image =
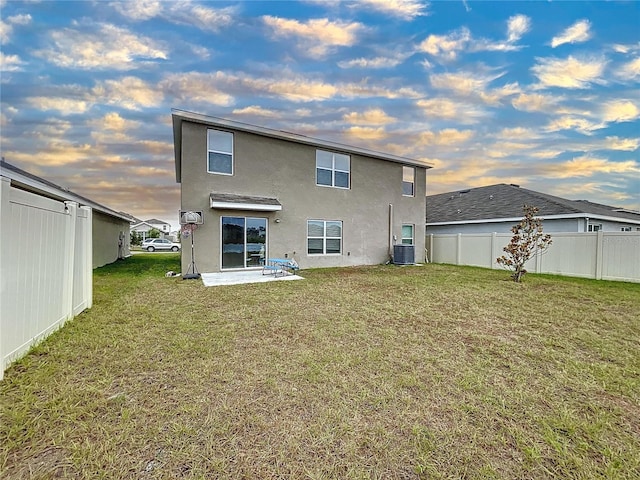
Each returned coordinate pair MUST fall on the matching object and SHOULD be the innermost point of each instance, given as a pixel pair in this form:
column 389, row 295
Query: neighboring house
column 496, row 208
column 110, row 229
column 272, row 193
column 146, row 226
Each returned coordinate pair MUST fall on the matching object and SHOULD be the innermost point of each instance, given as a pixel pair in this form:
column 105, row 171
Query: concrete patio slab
column 241, row 277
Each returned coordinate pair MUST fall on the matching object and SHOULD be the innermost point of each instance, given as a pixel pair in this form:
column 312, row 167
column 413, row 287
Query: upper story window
column 219, row 152
column 408, row 181
column 333, row 169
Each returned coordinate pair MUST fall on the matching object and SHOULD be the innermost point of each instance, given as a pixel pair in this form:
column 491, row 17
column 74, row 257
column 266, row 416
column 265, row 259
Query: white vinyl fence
column 45, row 268
column 599, row 255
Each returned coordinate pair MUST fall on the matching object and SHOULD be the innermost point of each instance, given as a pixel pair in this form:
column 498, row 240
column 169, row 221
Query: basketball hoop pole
column 194, row 275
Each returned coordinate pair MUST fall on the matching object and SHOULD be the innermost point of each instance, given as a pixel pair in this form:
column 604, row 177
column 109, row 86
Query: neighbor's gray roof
column 33, row 183
column 504, row 202
column 157, row 222
column 179, row 116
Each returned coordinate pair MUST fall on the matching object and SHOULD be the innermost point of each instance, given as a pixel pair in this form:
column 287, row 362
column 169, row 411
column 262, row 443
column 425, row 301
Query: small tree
column 528, row 240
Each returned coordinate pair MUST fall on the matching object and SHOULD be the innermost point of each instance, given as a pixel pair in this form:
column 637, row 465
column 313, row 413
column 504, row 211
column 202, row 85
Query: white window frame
column 406, row 172
column 324, row 237
column 413, row 233
column 212, row 150
column 333, row 170
column 625, row 229
column 594, row 227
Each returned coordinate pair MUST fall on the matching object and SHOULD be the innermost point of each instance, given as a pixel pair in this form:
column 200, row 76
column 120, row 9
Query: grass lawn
column 357, row 373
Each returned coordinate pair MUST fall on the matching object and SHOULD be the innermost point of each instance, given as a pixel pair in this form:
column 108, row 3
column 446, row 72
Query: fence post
column 69, row 255
column 459, row 249
column 492, row 260
column 88, row 258
column 599, row 254
column 5, row 231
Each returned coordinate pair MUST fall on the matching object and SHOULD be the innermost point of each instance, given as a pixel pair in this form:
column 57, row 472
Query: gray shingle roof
column 506, row 201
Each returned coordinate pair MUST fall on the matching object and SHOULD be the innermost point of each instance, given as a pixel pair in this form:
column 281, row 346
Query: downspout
column 391, row 231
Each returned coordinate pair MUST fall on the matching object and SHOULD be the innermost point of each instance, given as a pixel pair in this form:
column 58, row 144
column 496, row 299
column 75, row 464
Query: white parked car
column 153, row 244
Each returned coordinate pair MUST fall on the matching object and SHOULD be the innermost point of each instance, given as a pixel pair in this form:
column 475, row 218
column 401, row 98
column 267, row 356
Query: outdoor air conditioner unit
column 404, row 254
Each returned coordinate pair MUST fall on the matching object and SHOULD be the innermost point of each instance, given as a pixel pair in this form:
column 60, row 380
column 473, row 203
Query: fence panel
column 621, row 256
column 43, row 266
column 601, row 255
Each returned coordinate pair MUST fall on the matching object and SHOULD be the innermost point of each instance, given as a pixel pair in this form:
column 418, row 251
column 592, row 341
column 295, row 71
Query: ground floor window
column 324, row 237
column 244, row 242
column 407, row 234
column 594, row 227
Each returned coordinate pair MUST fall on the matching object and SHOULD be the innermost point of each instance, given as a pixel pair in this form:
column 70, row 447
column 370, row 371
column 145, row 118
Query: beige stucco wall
column 284, row 170
column 106, row 233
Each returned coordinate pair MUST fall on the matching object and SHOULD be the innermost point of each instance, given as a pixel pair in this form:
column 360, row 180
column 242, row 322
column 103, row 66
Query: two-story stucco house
column 266, row 192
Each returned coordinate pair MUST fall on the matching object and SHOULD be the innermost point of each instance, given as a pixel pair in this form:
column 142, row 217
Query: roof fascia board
column 56, row 193
column 548, row 217
column 282, row 135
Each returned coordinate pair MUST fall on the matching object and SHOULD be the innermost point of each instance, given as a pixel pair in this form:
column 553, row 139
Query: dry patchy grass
column 357, row 373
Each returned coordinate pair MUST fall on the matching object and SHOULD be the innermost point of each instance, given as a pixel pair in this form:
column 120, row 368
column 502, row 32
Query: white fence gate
column 45, row 268
column 599, row 255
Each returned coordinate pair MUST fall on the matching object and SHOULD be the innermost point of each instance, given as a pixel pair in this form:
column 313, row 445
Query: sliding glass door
column 244, row 242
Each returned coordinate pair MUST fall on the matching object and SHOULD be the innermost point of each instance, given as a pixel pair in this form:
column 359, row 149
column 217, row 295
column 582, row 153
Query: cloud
column 451, row 110
column 138, row 9
column 374, row 62
column 534, row 102
column 517, row 26
column 471, row 84
column 105, row 47
column 404, row 9
column 569, row 73
column 10, row 63
column 129, row 92
column 588, row 166
column 66, row 106
column 567, row 122
column 629, row 71
column 578, row 32
column 113, row 122
column 446, row 46
column 373, row 116
column 624, row 144
column 366, row 133
column 196, row 87
column 318, row 37
column 256, row 111
column 24, row 19
column 620, row 111
column 447, row 136
column 200, row 16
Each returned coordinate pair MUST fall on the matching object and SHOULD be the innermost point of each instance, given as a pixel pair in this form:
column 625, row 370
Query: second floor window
column 408, row 181
column 219, row 152
column 333, row 169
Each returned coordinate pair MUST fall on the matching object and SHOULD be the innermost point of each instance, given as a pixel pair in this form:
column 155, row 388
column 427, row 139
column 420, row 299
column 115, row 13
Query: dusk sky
column 542, row 94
